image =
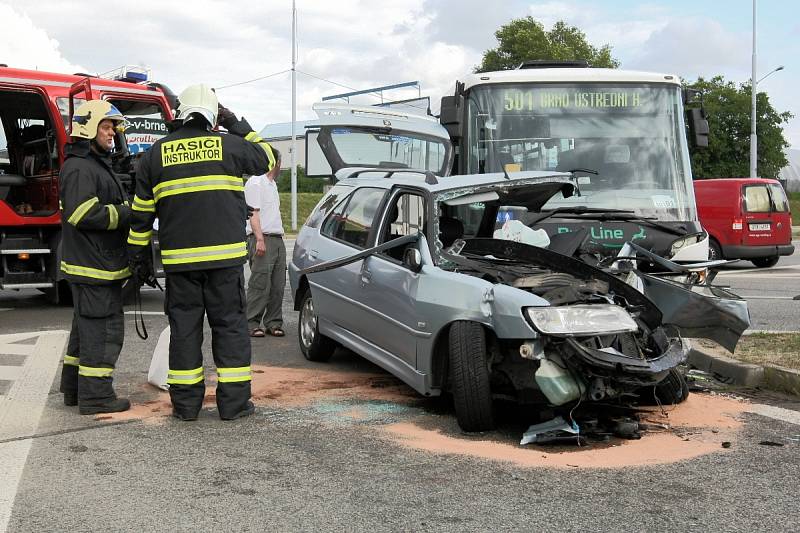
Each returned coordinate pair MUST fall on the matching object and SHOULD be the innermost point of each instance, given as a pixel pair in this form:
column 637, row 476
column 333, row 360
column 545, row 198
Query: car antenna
column 430, row 178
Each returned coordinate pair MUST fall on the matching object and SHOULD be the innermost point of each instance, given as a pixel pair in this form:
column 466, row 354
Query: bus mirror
column 698, row 127
column 450, row 115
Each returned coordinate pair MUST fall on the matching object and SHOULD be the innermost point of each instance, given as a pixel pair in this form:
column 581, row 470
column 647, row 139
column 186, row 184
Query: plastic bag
column 514, row 230
column 159, row 365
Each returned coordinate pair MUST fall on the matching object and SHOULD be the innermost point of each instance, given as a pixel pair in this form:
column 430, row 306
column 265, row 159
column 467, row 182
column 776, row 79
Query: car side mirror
column 412, row 259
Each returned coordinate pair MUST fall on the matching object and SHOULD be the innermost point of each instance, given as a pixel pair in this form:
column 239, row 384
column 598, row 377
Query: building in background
column 280, row 136
column 790, row 174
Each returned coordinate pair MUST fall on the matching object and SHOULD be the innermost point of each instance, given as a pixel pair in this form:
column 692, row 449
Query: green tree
column 525, row 38
column 304, row 183
column 728, row 110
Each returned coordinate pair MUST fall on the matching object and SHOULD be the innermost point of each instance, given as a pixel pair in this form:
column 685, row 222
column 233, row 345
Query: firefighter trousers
column 95, row 341
column 219, row 294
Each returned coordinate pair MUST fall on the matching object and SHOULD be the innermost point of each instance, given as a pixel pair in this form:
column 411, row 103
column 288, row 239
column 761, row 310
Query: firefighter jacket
column 192, row 181
column 94, row 218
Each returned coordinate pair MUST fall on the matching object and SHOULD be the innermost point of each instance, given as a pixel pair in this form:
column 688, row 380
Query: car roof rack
column 430, row 177
column 553, row 63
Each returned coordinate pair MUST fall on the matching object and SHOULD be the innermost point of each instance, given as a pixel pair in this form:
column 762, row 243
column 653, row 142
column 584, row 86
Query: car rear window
column 779, row 198
column 756, row 199
column 328, row 202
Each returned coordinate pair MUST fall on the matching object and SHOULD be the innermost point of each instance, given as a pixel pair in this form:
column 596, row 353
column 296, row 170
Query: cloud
column 25, row 45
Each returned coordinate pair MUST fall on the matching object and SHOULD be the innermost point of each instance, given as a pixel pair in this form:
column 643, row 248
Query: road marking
column 5, row 309
column 749, row 297
column 154, row 313
column 21, row 409
column 776, row 413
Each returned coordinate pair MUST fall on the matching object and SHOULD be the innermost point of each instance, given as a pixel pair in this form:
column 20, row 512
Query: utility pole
column 753, row 90
column 294, row 118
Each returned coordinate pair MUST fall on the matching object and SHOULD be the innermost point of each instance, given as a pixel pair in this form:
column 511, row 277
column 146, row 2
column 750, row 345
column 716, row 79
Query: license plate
column 759, row 227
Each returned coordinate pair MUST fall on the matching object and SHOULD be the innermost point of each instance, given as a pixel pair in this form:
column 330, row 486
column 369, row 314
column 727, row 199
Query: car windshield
column 629, row 137
column 369, row 147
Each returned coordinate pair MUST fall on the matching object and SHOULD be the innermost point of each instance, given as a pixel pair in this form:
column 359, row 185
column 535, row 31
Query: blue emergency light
column 134, row 77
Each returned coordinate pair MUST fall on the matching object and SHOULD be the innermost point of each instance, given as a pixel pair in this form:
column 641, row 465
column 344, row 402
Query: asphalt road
column 319, row 455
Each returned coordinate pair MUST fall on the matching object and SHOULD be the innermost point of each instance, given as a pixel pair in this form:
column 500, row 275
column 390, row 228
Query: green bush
column 304, row 183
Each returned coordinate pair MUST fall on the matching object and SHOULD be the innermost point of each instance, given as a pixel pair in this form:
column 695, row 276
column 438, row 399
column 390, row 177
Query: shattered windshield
column 369, row 147
column 630, row 137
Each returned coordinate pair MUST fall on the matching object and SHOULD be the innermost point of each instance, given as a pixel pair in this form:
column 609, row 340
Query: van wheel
column 469, row 376
column 765, row 262
column 314, row 345
column 714, row 250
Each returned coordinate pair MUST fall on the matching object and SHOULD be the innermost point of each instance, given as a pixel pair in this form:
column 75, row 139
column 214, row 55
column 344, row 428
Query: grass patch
column 794, row 205
column 305, row 204
column 781, row 349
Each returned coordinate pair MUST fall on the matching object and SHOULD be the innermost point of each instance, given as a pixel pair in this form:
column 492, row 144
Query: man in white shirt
column 266, row 254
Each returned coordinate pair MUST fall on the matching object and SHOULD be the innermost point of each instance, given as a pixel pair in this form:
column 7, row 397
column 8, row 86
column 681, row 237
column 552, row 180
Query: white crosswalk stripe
column 21, row 408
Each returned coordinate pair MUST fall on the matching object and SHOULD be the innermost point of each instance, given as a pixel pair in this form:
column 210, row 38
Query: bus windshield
column 630, row 138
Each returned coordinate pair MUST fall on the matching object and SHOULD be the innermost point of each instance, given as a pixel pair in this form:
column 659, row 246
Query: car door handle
column 366, row 276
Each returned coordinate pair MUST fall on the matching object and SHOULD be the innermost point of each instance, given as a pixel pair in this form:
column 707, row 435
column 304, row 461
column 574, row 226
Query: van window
column 756, row 199
column 779, row 200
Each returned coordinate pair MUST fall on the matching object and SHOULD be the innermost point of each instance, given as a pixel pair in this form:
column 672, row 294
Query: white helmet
column 199, row 99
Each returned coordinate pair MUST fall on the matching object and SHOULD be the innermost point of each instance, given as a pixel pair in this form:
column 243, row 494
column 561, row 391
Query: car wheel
column 469, row 376
column 314, row 345
column 672, row 390
column 765, row 262
column 714, row 251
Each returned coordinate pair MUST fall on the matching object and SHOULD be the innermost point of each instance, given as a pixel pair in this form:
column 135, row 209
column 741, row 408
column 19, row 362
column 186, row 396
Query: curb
column 769, row 377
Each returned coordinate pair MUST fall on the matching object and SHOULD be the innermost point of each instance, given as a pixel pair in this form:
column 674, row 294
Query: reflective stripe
column 95, row 372
column 203, row 253
column 95, row 273
column 81, row 210
column 185, row 377
column 71, row 361
column 253, row 137
column 197, row 184
column 113, row 217
column 234, row 375
column 139, row 239
column 146, row 206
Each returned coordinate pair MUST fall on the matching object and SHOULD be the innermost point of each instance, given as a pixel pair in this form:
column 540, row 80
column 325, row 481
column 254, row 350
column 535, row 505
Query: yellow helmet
column 88, row 116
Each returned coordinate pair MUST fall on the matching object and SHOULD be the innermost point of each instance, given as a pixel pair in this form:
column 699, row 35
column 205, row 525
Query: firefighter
column 94, row 225
column 192, row 181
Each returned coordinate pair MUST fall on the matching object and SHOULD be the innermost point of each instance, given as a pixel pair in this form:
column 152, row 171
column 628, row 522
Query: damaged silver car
column 426, row 277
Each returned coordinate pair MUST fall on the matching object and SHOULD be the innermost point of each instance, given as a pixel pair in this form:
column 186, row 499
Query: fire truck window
column 146, row 123
column 5, row 162
column 63, row 108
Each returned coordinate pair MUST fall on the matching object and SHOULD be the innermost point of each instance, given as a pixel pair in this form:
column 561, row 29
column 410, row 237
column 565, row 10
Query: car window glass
column 779, row 198
column 353, row 222
column 328, row 202
column 756, row 199
column 405, row 216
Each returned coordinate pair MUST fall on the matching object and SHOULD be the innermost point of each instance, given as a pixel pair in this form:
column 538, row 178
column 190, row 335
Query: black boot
column 113, row 406
column 248, row 410
column 184, row 417
column 70, row 399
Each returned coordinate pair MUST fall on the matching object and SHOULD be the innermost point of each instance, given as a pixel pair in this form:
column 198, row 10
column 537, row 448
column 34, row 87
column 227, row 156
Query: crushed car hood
column 699, row 311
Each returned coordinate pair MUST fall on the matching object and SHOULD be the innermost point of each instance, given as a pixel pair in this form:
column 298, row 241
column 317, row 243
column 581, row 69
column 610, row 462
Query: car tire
column 469, row 376
column 314, row 345
column 765, row 262
column 714, row 250
column 672, row 390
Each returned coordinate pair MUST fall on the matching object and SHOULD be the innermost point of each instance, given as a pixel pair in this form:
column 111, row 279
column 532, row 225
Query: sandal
column 257, row 332
column 276, row 332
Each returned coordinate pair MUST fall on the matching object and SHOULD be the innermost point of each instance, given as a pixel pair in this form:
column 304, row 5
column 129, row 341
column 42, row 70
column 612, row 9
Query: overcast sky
column 361, row 44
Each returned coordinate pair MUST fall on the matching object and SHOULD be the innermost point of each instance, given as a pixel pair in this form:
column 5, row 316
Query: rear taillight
column 737, row 224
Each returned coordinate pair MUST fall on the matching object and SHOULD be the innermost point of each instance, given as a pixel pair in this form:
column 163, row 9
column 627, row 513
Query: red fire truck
column 35, row 112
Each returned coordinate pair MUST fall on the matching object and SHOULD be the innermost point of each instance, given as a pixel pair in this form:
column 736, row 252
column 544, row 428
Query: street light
column 753, row 135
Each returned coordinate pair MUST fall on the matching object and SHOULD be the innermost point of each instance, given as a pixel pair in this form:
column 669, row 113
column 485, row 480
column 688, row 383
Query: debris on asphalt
column 770, row 443
column 726, row 444
column 556, row 430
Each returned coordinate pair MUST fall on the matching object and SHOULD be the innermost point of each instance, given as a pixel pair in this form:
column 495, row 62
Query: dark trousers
column 219, row 294
column 95, row 341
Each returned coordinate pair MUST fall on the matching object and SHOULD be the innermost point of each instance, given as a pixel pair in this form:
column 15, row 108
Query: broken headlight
column 581, row 320
column 683, row 242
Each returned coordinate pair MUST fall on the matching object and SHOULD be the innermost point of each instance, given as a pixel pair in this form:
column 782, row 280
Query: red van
column 746, row 218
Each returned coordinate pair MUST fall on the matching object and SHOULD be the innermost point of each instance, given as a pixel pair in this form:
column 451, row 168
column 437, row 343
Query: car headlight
column 682, row 242
column 581, row 320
